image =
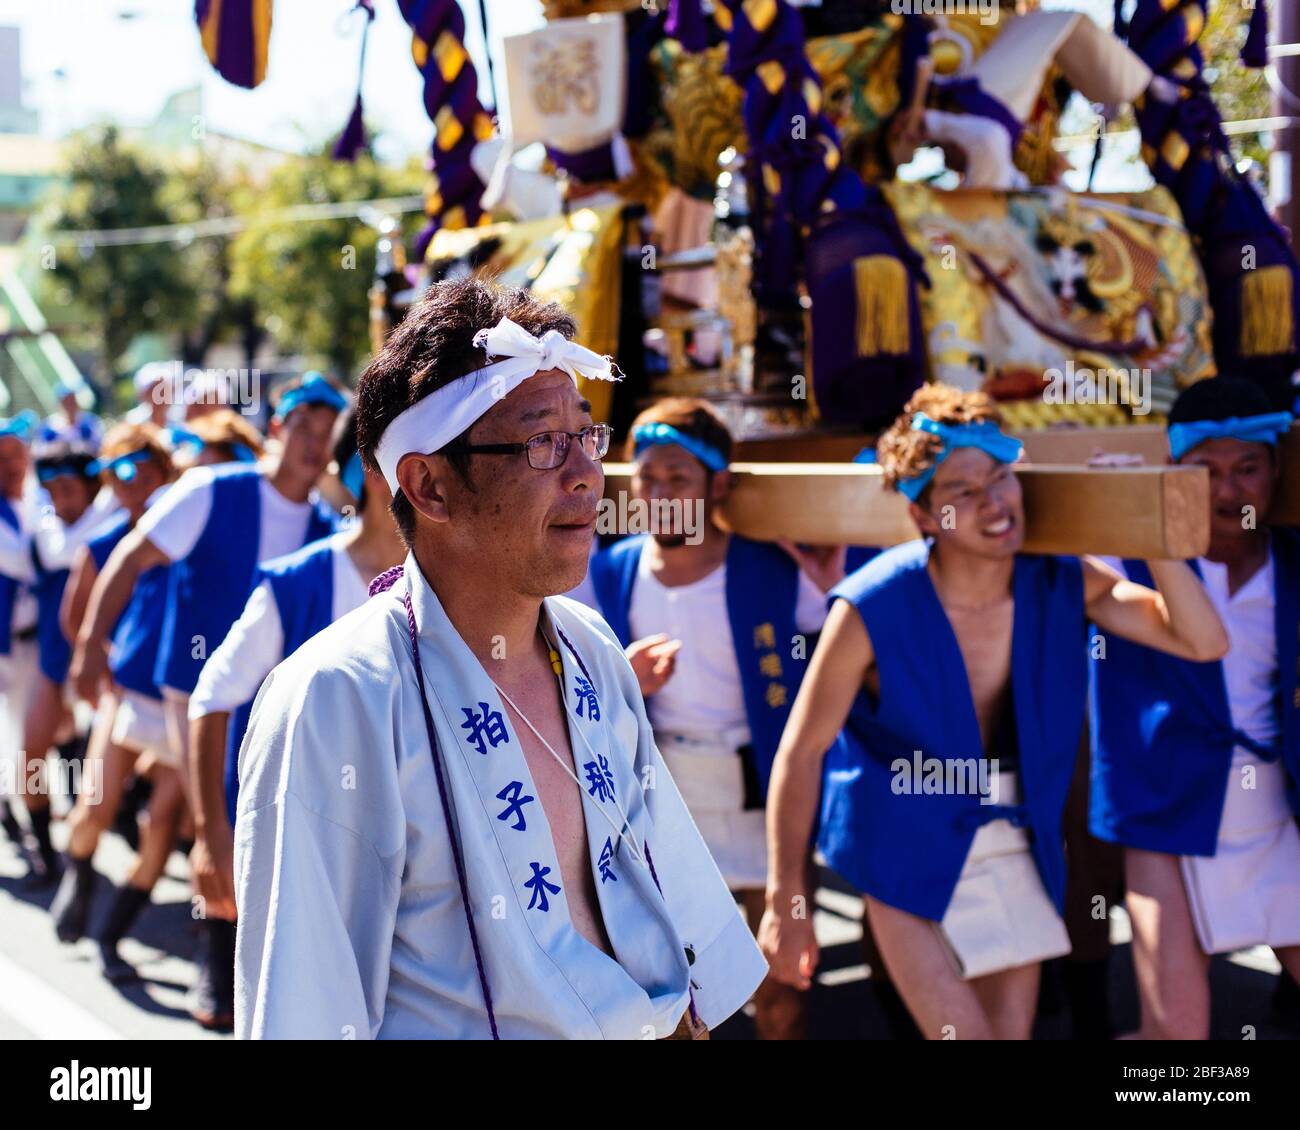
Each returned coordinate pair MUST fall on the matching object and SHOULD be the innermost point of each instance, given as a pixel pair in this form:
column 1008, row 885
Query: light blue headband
column 124, row 467
column 1250, row 429
column 183, row 437
column 315, row 390
column 22, row 425
column 986, row 435
column 657, row 435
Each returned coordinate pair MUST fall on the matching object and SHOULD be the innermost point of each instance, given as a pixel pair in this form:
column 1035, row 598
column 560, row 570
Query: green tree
column 117, row 291
column 198, row 190
column 309, row 278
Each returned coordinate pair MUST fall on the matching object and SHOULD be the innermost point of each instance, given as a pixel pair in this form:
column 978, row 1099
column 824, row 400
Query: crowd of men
column 423, row 792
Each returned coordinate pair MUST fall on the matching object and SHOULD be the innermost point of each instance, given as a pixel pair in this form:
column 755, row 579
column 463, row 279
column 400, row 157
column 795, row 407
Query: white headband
column 432, row 423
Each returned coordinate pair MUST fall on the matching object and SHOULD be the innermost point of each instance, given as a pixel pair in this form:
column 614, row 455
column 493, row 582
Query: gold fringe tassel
column 882, row 286
column 1267, row 324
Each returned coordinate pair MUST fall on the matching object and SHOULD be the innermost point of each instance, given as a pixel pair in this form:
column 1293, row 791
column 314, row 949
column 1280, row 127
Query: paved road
column 49, row 990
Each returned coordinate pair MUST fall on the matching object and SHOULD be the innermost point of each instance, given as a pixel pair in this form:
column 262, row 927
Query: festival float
column 720, row 208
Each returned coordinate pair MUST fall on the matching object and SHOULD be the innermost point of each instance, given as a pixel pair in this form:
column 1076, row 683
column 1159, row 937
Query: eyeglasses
column 547, row 450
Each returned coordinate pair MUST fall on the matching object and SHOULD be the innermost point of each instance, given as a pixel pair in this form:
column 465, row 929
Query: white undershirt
column 178, row 521
column 255, row 644
column 703, row 695
column 1250, row 667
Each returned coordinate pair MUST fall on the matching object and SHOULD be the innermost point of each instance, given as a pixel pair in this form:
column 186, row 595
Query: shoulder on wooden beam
column 1147, row 512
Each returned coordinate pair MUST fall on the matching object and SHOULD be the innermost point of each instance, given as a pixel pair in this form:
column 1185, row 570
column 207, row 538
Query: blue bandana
column 23, row 425
column 987, row 436
column 314, row 390
column 123, row 467
column 353, row 476
column 657, row 435
column 1250, row 429
column 48, row 472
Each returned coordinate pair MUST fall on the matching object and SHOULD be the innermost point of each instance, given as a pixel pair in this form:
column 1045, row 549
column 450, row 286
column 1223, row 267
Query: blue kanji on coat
column 540, row 887
column 486, row 727
column 514, row 804
column 600, row 781
column 606, row 861
column 586, row 695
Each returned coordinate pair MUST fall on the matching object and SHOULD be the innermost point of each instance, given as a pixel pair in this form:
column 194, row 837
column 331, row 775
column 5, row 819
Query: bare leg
column 158, row 836
column 942, row 1004
column 45, row 715
column 107, row 767
column 780, row 1011
column 1173, row 974
column 1010, row 999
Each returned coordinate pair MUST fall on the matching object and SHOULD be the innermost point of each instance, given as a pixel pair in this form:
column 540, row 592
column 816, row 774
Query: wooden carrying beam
column 1145, row 512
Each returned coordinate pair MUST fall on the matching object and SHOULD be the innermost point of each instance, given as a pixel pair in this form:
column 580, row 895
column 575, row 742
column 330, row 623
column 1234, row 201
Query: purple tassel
column 686, row 25
column 352, row 141
column 1255, row 52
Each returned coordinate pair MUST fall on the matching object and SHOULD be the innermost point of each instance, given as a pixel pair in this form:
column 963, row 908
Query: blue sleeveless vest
column 909, row 850
column 53, row 648
column 302, row 584
column 762, row 591
column 1162, row 733
column 138, row 632
column 208, row 589
column 8, row 586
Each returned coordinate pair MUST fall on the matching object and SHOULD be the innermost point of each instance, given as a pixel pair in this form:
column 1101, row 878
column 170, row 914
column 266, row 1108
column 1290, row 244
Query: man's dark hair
column 433, row 346
column 63, row 456
column 1219, row 398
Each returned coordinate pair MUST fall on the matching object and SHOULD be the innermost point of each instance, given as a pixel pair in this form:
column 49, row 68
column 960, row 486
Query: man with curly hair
column 949, row 687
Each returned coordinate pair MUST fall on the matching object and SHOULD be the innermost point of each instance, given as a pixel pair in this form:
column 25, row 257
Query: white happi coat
column 350, row 916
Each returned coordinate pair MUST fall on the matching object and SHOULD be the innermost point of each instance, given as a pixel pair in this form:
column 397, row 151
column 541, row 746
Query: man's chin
column 670, row 541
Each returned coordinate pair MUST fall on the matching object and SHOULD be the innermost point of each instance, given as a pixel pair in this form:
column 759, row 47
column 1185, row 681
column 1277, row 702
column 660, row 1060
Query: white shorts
column 19, row 671
column 1248, row 892
column 140, row 725
column 709, row 774
column 1000, row 916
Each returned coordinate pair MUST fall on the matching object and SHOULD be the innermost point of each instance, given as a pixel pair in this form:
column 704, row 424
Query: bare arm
column 843, row 657
column 1179, row 619
column 213, row 856
column 134, row 555
column 77, row 594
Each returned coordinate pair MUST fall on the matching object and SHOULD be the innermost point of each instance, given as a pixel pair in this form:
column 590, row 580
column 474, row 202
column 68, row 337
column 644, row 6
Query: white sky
column 124, row 69
column 90, row 60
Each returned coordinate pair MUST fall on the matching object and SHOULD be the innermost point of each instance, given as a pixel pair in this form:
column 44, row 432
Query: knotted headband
column 1251, row 429
column 985, row 435
column 433, row 422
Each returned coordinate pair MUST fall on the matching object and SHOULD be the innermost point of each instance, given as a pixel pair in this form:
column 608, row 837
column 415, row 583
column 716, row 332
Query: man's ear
column 721, row 485
column 423, row 479
column 275, row 429
column 924, row 519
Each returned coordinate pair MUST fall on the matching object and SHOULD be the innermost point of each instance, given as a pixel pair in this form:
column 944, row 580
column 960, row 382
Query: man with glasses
column 452, row 818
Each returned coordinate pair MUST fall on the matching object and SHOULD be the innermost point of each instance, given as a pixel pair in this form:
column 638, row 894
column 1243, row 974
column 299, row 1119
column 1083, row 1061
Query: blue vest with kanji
column 8, row 585
column 208, row 589
column 762, row 592
column 138, row 632
column 1162, row 732
column 302, row 584
column 907, row 847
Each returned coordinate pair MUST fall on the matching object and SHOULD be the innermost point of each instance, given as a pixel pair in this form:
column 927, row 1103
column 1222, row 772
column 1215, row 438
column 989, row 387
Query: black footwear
column 1086, row 989
column 9, row 822
column 135, row 799
column 46, row 867
column 212, row 1000
column 70, row 753
column 1286, row 1003
column 127, row 904
column 71, row 905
